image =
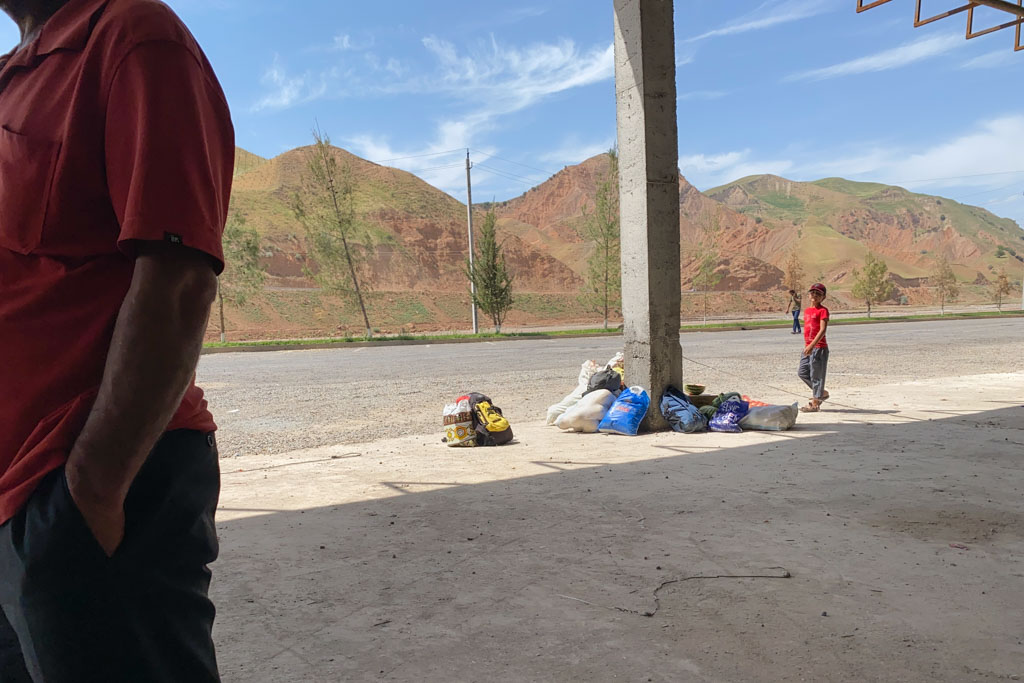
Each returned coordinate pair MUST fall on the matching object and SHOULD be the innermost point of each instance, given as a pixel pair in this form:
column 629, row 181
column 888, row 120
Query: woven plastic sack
column 588, row 412
column 770, row 418
column 681, row 415
column 626, row 414
column 727, row 417
column 457, row 419
column 587, row 370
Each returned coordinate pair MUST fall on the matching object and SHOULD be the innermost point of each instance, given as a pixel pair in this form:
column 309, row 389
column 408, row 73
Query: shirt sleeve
column 169, row 150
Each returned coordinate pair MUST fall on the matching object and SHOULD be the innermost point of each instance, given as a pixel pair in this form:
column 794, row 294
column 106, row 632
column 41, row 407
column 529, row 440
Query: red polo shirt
column 113, row 129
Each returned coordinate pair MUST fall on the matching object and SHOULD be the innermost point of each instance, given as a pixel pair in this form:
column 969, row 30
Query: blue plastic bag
column 682, row 415
column 727, row 417
column 626, row 414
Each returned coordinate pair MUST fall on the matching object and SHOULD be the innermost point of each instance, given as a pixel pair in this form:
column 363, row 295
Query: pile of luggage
column 691, row 412
column 602, row 402
column 474, row 420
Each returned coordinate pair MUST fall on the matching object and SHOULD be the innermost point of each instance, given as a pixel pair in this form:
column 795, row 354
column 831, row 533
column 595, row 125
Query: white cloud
column 710, row 170
column 991, row 60
column 493, row 81
column 287, row 91
column 973, row 159
column 515, row 77
column 983, row 166
column 1013, row 198
column 893, row 58
column 439, row 163
column 703, row 163
column 980, row 166
column 484, row 82
column 396, row 67
column 769, row 14
column 344, row 42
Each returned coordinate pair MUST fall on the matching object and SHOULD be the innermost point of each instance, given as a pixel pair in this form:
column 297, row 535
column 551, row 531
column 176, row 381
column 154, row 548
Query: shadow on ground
column 611, row 567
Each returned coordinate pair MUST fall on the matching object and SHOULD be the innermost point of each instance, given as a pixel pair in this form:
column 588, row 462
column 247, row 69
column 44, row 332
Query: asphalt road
column 271, row 402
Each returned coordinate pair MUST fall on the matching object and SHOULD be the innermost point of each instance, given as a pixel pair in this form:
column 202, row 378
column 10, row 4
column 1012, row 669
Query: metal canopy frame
column 1014, row 9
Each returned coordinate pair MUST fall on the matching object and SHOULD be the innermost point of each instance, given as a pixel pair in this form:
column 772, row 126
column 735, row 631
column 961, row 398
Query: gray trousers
column 812, row 370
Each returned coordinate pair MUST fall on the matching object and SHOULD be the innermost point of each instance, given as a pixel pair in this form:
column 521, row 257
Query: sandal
column 825, row 396
column 812, row 407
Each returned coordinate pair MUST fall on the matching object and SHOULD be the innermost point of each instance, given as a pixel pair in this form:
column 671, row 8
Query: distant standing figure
column 794, row 304
column 814, row 361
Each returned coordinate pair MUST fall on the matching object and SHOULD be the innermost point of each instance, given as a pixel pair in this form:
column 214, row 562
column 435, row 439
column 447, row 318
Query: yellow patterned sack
column 457, row 420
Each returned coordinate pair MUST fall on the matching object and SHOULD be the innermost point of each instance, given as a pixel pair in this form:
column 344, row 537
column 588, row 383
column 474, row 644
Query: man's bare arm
column 151, row 361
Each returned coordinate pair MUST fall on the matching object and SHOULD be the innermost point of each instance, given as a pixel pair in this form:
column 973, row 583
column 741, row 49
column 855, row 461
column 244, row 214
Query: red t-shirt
column 113, row 129
column 812, row 324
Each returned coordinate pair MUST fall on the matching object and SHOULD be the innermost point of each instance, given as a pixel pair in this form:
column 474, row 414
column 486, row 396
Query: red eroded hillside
column 550, row 215
column 421, row 231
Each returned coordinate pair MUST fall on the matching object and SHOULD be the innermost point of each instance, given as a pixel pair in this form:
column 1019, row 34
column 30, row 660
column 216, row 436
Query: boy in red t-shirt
column 814, row 361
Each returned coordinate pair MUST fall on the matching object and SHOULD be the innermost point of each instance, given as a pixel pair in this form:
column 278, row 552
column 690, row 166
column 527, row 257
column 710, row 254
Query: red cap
column 818, row 287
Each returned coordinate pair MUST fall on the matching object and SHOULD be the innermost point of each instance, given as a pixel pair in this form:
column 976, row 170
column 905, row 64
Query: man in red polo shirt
column 116, row 153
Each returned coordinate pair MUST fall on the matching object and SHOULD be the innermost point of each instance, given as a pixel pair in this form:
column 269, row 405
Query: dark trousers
column 72, row 614
column 812, row 370
column 796, row 322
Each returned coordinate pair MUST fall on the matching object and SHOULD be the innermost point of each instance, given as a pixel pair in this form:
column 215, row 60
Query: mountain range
column 830, row 224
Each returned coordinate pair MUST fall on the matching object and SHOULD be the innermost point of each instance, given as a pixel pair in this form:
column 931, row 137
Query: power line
column 956, row 177
column 507, row 177
column 998, row 189
column 419, row 156
column 512, row 176
column 437, row 168
column 517, row 163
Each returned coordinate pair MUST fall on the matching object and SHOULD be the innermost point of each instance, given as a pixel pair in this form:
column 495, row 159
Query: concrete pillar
column 645, row 86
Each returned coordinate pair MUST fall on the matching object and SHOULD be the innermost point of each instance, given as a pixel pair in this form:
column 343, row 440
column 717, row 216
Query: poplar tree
column 337, row 240
column 243, row 274
column 871, row 283
column 603, row 287
column 1000, row 288
column 944, row 281
column 708, row 256
column 794, row 273
column 489, row 274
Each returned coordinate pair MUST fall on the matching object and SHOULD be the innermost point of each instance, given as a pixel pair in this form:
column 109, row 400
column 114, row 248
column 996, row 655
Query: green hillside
column 910, row 230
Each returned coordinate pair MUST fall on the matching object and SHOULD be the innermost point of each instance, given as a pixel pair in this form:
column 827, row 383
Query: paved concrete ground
column 828, row 553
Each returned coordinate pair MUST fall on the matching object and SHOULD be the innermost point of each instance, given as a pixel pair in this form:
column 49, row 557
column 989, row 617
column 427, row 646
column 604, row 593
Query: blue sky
column 802, row 88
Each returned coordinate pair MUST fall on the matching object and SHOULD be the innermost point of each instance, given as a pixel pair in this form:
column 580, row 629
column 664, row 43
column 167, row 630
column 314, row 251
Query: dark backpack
column 492, row 428
column 605, row 379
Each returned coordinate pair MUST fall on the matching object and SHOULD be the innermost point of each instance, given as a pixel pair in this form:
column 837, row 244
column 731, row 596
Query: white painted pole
column 469, row 221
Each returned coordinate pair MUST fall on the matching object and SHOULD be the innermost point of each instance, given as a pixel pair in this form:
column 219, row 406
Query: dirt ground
column 880, row 540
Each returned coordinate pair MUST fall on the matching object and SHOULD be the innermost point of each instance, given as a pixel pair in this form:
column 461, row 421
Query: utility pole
column 220, row 295
column 469, row 221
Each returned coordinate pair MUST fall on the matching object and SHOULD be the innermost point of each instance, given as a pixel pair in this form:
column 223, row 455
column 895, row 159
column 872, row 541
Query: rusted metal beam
column 861, row 7
column 971, row 33
column 1017, row 9
column 1017, row 47
column 918, row 21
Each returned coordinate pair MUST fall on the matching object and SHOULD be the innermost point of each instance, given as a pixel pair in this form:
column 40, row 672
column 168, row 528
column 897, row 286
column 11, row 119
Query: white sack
column 588, row 412
column 586, row 371
column 770, row 418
